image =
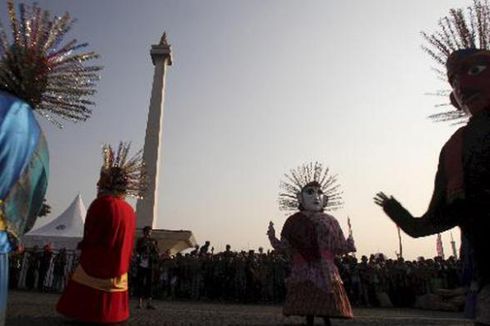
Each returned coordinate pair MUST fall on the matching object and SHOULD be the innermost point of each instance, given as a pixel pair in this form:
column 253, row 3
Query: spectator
column 147, row 257
column 59, row 263
column 33, row 261
column 15, row 265
column 195, row 252
column 204, row 249
column 44, row 264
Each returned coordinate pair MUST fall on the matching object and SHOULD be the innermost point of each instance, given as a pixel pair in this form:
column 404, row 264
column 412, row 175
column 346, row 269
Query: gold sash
column 113, row 284
column 3, row 225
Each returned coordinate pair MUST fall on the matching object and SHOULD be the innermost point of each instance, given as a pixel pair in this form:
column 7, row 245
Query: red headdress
column 460, row 33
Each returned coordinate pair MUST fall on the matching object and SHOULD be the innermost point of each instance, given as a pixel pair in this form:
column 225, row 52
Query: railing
column 27, row 270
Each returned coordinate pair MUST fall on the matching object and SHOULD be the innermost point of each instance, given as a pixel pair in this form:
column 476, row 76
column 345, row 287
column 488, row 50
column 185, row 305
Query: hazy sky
column 257, row 88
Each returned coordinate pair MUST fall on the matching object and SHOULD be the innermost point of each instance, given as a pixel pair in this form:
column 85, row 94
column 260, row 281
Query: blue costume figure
column 24, row 165
column 37, row 73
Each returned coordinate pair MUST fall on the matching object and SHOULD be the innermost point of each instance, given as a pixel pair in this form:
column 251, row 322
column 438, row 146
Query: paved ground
column 30, row 308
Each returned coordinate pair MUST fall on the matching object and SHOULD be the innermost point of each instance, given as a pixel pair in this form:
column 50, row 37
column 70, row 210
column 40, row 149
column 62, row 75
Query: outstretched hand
column 351, row 243
column 271, row 232
column 382, row 199
column 392, row 208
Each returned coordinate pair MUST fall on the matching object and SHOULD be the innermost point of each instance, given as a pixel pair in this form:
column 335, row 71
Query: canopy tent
column 65, row 231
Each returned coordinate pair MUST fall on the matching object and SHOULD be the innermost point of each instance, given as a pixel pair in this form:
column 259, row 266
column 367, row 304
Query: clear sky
column 257, row 88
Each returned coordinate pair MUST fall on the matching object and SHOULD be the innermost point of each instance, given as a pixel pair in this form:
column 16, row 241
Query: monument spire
column 147, row 208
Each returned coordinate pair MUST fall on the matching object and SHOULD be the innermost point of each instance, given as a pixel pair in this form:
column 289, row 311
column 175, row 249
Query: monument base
column 172, row 240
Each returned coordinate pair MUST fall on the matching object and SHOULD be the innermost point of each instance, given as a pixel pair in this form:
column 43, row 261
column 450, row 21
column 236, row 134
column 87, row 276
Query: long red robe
column 106, row 251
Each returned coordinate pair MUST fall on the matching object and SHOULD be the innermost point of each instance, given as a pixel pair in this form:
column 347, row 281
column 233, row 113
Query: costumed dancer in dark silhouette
column 461, row 194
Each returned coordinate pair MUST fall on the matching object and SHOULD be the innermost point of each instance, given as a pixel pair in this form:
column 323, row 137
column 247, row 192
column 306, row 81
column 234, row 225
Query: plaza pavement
column 33, row 308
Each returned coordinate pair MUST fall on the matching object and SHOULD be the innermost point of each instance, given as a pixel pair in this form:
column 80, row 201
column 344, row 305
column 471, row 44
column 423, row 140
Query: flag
column 350, row 226
column 453, row 246
column 439, row 247
column 400, row 248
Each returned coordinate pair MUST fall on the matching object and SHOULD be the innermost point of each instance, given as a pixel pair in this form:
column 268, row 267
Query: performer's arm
column 432, row 222
column 279, row 245
column 350, row 244
column 439, row 217
column 413, row 226
column 343, row 245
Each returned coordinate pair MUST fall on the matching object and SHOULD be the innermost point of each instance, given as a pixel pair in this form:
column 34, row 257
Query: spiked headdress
column 305, row 175
column 459, row 33
column 125, row 175
column 38, row 68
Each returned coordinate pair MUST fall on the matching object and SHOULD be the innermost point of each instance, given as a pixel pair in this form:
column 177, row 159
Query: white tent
column 65, row 231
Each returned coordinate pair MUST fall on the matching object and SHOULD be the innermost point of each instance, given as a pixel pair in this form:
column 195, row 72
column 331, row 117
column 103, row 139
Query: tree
column 45, row 209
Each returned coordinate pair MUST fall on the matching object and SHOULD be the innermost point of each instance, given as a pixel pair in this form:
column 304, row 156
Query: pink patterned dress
column 314, row 287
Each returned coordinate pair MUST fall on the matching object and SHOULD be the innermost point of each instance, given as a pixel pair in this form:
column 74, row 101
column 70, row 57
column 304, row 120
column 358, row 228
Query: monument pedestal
column 173, row 240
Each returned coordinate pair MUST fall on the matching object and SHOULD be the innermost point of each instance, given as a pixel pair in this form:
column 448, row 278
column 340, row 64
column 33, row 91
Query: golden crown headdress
column 127, row 175
column 38, row 68
column 304, row 175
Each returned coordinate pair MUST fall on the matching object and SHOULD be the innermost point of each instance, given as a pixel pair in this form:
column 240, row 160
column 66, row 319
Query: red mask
column 469, row 76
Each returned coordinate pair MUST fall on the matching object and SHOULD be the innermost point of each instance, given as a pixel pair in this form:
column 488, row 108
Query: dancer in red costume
column 98, row 289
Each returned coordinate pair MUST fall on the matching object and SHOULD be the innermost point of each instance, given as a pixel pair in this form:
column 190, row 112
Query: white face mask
column 312, row 199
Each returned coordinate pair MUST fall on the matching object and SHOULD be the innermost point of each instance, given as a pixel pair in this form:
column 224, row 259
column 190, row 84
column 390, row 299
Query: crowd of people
column 259, row 277
column 249, row 276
